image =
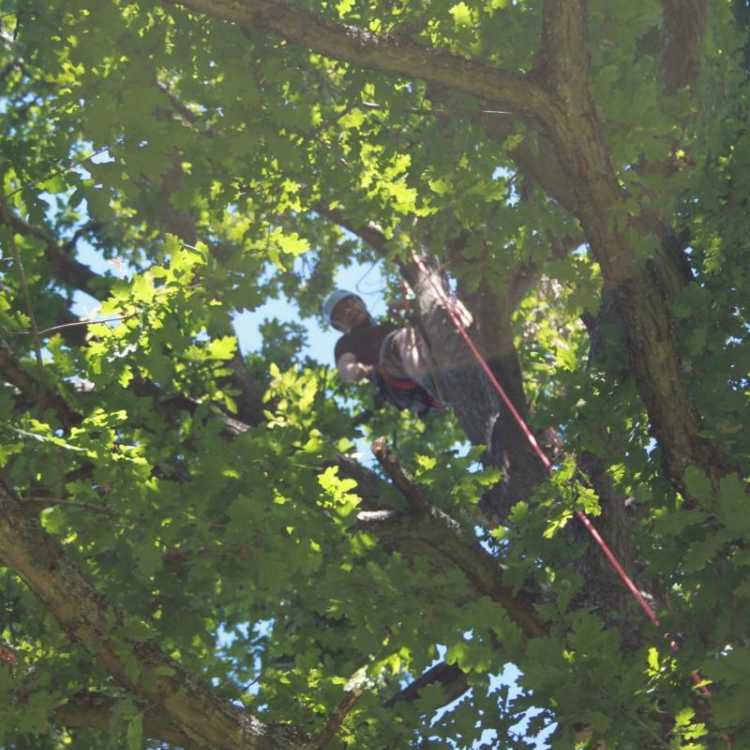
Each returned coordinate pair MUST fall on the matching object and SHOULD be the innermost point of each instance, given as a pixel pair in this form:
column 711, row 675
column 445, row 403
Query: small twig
column 7, row 220
column 87, row 227
column 60, row 170
column 337, row 718
column 435, row 112
column 45, row 439
column 49, row 501
column 184, row 111
column 414, row 110
column 45, row 331
column 114, row 318
column 659, row 740
column 251, row 683
column 417, row 501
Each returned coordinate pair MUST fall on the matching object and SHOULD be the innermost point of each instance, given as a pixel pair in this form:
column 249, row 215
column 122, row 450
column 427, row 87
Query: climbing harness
column 405, row 394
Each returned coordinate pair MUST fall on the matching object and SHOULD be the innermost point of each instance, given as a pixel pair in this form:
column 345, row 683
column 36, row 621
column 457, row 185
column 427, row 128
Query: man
column 396, row 359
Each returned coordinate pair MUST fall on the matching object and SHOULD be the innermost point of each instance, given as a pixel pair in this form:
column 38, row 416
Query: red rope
column 582, row 517
column 648, row 610
column 615, row 563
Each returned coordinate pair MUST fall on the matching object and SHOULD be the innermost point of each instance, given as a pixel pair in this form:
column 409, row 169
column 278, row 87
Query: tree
column 193, row 554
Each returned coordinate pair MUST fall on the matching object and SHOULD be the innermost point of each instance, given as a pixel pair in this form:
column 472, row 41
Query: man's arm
column 351, row 370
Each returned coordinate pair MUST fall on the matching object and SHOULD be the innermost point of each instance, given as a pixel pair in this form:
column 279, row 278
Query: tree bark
column 387, row 52
column 88, row 618
column 92, row 711
column 614, row 235
column 684, row 26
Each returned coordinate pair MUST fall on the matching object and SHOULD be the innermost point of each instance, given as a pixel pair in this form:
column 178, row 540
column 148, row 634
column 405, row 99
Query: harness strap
column 401, row 384
column 406, row 385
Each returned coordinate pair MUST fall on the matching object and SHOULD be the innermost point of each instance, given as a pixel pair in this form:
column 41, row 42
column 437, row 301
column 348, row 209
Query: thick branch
column 368, row 233
column 449, row 676
column 684, row 25
column 337, row 717
column 432, row 534
column 507, row 448
column 370, row 487
column 460, row 381
column 643, row 297
column 87, row 617
column 564, row 51
column 536, row 158
column 386, row 52
column 67, row 269
column 440, row 542
column 413, row 494
column 250, row 393
column 92, row 711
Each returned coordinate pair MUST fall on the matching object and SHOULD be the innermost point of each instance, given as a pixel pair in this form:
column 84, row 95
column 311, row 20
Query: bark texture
column 89, row 619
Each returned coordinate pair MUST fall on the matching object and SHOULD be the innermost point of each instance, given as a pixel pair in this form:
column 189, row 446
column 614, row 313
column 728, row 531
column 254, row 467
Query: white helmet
column 333, row 299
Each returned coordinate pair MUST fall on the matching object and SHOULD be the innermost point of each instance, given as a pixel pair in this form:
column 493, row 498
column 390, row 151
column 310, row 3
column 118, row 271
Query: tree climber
column 395, row 359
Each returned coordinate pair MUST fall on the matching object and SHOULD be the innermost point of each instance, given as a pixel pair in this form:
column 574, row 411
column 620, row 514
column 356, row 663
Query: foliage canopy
column 193, row 553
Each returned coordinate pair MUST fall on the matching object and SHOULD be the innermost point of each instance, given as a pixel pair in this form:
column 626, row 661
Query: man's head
column 345, row 310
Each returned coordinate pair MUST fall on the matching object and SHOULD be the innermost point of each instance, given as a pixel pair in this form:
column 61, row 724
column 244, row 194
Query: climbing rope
column 648, row 610
column 529, row 435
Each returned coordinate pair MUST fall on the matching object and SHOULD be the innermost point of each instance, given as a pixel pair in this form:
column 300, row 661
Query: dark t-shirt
column 363, row 342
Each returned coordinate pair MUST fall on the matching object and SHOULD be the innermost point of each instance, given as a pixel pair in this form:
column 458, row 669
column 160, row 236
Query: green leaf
column 654, row 661
column 697, row 483
column 53, row 521
column 292, row 244
column 143, row 288
column 352, row 119
column 222, row 349
column 461, row 14
column 148, row 559
column 733, row 504
column 135, row 732
column 344, row 6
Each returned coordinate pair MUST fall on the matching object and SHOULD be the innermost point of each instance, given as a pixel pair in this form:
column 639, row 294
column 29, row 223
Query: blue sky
column 366, row 281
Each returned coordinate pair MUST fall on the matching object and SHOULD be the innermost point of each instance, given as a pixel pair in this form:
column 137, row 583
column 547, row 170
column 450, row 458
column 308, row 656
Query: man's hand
column 351, row 371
